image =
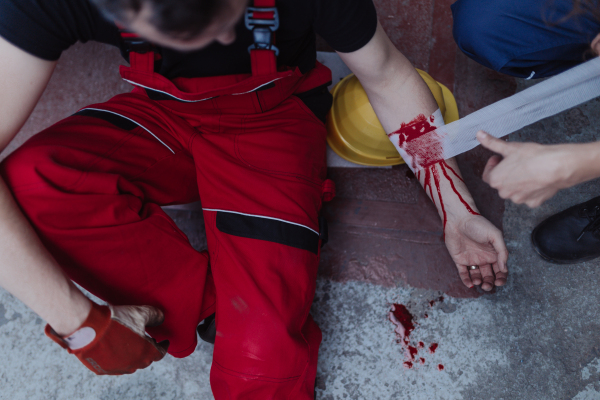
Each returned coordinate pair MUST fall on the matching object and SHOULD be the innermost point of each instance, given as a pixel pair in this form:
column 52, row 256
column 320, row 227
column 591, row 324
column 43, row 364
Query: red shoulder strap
column 141, row 52
column 263, row 21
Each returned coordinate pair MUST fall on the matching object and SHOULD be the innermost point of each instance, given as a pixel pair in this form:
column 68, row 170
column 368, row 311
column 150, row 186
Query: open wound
column 418, row 141
column 421, row 147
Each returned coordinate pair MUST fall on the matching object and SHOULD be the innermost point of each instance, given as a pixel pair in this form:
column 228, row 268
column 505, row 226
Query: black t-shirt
column 45, row 28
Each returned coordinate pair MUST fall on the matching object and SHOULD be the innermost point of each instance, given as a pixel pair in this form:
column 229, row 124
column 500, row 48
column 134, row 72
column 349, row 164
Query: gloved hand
column 112, row 340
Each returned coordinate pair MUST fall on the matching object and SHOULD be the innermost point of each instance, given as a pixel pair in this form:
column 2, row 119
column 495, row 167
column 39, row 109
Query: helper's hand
column 473, row 240
column 112, row 340
column 527, row 173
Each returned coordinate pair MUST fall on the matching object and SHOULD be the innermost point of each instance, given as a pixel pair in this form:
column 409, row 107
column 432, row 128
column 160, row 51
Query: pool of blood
column 399, row 315
column 433, row 348
column 412, row 351
column 405, row 318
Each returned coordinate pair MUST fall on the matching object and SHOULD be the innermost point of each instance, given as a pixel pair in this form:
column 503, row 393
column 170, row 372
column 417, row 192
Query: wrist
column 581, row 163
column 72, row 317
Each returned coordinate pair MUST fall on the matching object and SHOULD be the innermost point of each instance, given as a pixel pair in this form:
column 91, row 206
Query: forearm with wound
column 31, row 274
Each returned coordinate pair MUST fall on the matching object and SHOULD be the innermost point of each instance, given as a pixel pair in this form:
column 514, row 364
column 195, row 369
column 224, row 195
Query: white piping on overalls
column 197, row 101
column 135, row 122
column 261, row 216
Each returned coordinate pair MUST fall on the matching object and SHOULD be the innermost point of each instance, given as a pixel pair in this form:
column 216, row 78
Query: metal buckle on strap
column 134, row 43
column 137, row 46
column 262, row 29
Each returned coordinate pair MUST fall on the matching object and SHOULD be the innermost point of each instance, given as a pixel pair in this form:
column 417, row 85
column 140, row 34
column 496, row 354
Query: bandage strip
column 547, row 98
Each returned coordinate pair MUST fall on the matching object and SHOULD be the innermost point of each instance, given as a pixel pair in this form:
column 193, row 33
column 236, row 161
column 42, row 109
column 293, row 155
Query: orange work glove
column 112, row 340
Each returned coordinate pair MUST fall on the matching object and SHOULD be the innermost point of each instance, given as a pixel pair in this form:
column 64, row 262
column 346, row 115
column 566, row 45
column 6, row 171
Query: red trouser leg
column 92, row 191
column 260, row 181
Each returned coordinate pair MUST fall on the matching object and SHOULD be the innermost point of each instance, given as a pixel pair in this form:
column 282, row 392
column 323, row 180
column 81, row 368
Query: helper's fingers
column 488, row 277
column 464, row 275
column 494, row 144
column 491, row 164
column 498, row 242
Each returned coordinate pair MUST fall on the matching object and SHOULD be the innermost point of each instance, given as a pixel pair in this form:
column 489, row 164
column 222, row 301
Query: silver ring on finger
column 472, row 267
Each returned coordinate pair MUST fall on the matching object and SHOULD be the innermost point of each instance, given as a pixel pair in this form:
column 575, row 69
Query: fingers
column 497, row 241
column 494, row 144
column 464, row 275
column 488, row 277
column 491, row 164
column 137, row 318
column 154, row 316
column 476, row 276
column 501, row 276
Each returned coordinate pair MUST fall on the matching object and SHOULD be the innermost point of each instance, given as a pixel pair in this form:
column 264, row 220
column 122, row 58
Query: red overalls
column 92, row 186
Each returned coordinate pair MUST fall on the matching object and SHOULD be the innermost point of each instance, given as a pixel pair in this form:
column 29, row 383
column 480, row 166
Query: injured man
column 228, row 106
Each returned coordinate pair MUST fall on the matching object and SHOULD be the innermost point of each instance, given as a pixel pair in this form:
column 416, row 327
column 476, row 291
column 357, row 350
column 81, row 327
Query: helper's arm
column 399, row 95
column 27, row 270
column 531, row 173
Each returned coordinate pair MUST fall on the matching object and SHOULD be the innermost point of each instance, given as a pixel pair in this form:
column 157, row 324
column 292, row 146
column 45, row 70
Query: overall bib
column 93, row 185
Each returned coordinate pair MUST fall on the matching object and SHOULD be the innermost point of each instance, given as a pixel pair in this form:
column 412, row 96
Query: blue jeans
column 523, row 38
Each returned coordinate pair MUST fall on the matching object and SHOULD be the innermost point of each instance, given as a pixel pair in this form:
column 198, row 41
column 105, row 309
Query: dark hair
column 591, row 7
column 580, row 7
column 184, row 19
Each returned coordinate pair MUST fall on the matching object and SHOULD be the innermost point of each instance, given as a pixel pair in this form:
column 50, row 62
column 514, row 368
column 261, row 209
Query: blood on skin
column 418, row 138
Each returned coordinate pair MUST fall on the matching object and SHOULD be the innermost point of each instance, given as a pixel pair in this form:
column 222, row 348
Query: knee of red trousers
column 231, row 383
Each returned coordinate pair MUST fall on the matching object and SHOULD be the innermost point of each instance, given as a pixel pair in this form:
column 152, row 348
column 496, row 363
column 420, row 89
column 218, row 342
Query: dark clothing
column 523, row 38
column 45, row 28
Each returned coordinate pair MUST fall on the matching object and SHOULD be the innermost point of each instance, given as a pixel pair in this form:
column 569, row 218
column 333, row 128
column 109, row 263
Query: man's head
column 179, row 24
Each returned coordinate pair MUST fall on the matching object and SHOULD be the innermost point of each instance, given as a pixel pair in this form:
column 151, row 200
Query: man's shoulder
column 45, row 28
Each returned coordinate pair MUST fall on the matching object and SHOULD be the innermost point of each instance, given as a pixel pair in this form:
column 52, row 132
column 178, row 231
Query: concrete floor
column 535, row 338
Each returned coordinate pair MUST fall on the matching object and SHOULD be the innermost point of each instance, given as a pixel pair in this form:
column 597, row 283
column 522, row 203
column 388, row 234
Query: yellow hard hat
column 355, row 133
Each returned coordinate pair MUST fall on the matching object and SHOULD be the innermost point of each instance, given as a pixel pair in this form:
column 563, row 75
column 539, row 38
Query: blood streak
column 418, row 138
column 433, row 348
column 443, row 166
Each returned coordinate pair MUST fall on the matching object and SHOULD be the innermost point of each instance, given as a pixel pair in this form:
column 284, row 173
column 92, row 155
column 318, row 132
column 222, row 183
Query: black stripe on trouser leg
column 269, row 230
column 116, row 120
